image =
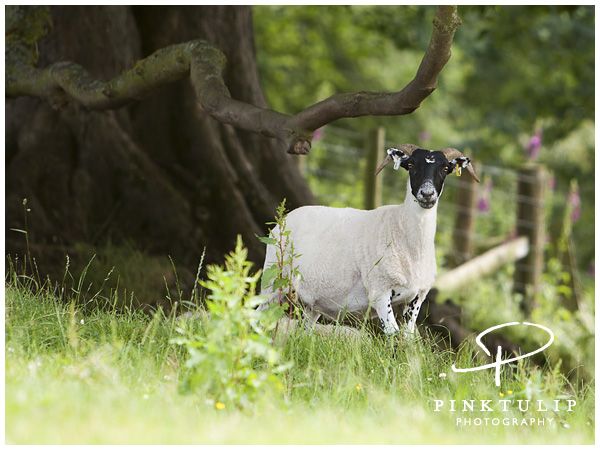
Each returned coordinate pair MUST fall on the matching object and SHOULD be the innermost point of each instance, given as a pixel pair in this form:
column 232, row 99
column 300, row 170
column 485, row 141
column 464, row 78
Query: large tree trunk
column 167, row 174
column 161, row 173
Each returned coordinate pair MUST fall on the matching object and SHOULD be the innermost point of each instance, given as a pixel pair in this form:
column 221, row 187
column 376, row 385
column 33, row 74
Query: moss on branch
column 204, row 63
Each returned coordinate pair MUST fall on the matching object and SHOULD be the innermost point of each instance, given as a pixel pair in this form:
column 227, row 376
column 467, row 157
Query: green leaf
column 279, row 283
column 266, row 240
column 268, row 275
column 297, row 273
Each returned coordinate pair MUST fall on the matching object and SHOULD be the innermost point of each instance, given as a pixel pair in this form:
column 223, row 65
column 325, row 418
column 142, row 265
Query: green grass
column 78, row 374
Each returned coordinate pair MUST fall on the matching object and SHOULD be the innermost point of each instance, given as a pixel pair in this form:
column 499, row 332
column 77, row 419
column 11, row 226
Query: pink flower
column 318, row 134
column 535, row 144
column 574, row 201
column 483, row 205
column 424, row 136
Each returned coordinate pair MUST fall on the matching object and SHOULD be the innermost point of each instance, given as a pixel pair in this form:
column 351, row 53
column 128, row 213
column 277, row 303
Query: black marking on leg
column 414, row 313
column 410, row 308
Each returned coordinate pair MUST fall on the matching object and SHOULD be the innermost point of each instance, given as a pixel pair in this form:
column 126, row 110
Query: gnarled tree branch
column 203, row 63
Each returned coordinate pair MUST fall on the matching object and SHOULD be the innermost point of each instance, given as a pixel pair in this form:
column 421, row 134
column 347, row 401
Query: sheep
column 365, row 262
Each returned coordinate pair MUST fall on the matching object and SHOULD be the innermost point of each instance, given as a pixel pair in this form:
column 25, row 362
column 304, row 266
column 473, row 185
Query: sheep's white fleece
column 351, row 258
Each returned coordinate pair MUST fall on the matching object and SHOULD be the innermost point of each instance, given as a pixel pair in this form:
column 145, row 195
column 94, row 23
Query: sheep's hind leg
column 309, row 319
column 271, row 297
column 411, row 311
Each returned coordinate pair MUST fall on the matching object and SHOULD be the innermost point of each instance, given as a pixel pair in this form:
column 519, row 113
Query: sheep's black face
column 427, row 170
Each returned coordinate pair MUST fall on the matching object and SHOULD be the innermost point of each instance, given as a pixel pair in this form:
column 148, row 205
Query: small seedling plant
column 280, row 276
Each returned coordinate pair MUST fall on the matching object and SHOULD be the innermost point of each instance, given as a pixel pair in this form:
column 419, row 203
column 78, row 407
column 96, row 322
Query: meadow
column 80, row 370
column 118, row 352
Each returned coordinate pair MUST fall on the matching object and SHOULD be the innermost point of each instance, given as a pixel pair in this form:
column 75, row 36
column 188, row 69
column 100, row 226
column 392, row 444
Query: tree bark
column 161, row 173
column 204, row 62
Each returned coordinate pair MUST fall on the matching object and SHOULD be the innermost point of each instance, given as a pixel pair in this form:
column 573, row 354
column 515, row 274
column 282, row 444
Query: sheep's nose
column 427, row 194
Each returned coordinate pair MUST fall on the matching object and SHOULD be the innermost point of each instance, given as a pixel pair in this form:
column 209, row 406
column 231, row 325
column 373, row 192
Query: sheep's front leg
column 384, row 311
column 411, row 311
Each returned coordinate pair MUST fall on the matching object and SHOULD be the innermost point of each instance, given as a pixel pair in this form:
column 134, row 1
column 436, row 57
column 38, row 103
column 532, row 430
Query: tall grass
column 79, row 374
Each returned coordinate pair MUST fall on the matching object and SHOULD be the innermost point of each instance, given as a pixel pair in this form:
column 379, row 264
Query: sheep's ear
column 458, row 163
column 398, row 156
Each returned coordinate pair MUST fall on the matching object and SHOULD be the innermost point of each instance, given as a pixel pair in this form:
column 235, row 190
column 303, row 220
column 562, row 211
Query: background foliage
column 518, row 89
column 514, row 70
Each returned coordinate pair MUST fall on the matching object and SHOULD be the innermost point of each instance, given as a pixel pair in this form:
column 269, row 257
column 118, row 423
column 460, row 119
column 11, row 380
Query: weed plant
column 232, row 360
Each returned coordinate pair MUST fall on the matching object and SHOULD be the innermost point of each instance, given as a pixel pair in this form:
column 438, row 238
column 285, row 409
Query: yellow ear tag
column 458, row 170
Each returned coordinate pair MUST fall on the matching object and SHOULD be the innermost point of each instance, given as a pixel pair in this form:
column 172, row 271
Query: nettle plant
column 232, row 360
column 279, row 276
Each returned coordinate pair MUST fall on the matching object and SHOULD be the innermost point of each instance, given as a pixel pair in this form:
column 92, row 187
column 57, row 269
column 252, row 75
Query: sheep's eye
column 410, row 165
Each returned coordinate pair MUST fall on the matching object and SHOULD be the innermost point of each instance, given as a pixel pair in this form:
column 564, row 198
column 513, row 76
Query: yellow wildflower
column 220, row 405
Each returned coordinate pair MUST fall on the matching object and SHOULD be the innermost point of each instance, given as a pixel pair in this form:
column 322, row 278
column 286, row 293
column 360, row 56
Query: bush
column 232, row 360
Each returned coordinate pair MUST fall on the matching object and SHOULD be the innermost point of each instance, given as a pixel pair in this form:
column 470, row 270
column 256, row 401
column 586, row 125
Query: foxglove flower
column 318, row 135
column 574, row 202
column 424, row 136
column 534, row 144
column 483, row 205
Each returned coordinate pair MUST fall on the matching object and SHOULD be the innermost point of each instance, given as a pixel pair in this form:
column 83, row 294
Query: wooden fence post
column 464, row 221
column 531, row 194
column 374, row 148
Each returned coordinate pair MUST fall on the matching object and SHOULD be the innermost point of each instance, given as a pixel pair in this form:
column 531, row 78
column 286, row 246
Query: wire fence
column 337, row 171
